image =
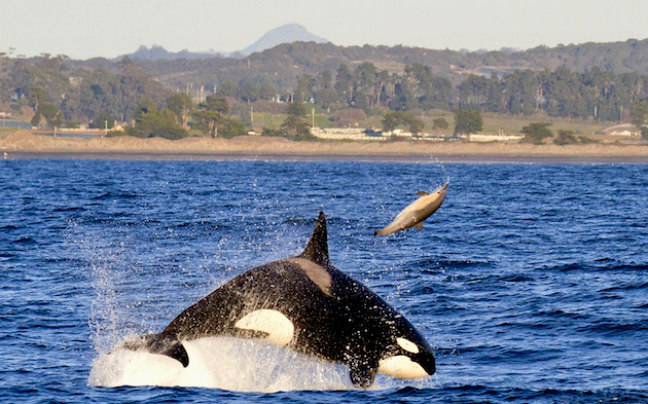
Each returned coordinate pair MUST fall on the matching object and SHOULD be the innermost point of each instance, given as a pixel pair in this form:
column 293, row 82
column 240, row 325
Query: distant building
column 492, row 137
column 625, row 129
column 347, row 134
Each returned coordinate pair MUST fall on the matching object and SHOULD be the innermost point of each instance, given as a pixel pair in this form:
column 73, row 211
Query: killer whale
column 305, row 304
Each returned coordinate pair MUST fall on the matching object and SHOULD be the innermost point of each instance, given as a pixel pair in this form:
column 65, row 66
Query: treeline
column 561, row 93
column 61, row 96
column 597, row 94
column 63, row 93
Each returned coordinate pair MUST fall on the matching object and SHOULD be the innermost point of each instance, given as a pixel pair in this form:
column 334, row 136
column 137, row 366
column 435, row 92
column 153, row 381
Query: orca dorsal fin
column 317, row 248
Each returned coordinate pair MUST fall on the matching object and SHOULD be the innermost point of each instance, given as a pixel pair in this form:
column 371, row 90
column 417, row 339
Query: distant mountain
column 285, row 34
column 157, row 52
column 282, row 65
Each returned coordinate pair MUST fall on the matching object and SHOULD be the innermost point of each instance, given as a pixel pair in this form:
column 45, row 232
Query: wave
column 114, row 195
column 25, row 240
column 602, row 265
column 439, row 264
column 611, row 327
column 486, row 393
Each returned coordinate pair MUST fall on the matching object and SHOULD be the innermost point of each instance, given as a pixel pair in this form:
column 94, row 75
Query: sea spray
column 230, row 364
column 220, row 362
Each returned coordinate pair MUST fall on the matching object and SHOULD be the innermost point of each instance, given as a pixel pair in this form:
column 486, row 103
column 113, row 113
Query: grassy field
column 492, row 123
column 510, row 124
column 514, row 124
column 8, row 129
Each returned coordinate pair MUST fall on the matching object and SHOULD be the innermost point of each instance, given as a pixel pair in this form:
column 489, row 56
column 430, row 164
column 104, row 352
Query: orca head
column 408, row 358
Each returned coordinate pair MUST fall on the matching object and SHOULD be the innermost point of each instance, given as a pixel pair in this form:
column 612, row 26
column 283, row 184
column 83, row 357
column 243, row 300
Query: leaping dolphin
column 416, row 212
column 305, row 304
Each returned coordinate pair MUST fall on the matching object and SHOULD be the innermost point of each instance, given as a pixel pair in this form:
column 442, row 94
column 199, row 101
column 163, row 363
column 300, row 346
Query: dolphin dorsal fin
column 317, row 248
column 422, row 193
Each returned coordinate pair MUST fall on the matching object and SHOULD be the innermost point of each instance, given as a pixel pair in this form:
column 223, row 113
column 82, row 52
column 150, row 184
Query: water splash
column 231, row 364
column 220, row 362
column 443, row 173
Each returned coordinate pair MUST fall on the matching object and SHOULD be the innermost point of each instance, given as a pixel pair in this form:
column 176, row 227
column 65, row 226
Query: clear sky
column 88, row 28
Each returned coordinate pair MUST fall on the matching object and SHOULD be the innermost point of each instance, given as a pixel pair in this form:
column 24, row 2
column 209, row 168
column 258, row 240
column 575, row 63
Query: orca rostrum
column 305, row 304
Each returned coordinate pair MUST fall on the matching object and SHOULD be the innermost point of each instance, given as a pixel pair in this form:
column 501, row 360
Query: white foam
column 224, row 363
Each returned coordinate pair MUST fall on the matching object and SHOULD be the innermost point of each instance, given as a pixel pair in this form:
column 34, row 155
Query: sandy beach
column 25, row 144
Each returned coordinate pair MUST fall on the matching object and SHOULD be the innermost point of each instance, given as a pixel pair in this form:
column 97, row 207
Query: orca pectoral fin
column 362, row 373
column 161, row 344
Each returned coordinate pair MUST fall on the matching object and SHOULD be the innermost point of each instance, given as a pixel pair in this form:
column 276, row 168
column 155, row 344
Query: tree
column 639, row 114
column 296, row 126
column 391, row 121
column 210, row 114
column 247, row 91
column 415, row 125
column 180, row 104
column 467, row 121
column 394, row 119
column 267, row 91
column 305, row 88
column 230, row 127
column 103, row 121
column 440, row 123
column 51, row 114
column 565, row 137
column 151, row 121
column 43, row 109
column 536, row 132
column 343, row 83
column 227, row 89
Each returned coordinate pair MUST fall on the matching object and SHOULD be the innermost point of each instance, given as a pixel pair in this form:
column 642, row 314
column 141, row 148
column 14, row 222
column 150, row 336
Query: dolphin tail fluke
column 162, row 344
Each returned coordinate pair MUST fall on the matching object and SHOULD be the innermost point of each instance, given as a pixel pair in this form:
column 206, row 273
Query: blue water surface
column 531, row 281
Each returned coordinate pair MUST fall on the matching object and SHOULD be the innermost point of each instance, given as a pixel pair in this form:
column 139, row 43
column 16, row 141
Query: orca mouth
column 162, row 344
column 427, row 362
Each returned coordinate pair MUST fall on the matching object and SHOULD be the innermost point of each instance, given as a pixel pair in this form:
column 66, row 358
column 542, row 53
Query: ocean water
column 531, row 281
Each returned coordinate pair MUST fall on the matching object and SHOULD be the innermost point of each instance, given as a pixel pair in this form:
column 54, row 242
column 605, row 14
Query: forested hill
column 592, row 81
column 283, row 64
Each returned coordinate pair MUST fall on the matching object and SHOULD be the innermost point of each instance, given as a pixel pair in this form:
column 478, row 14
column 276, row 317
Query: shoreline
column 26, row 145
column 286, row 157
